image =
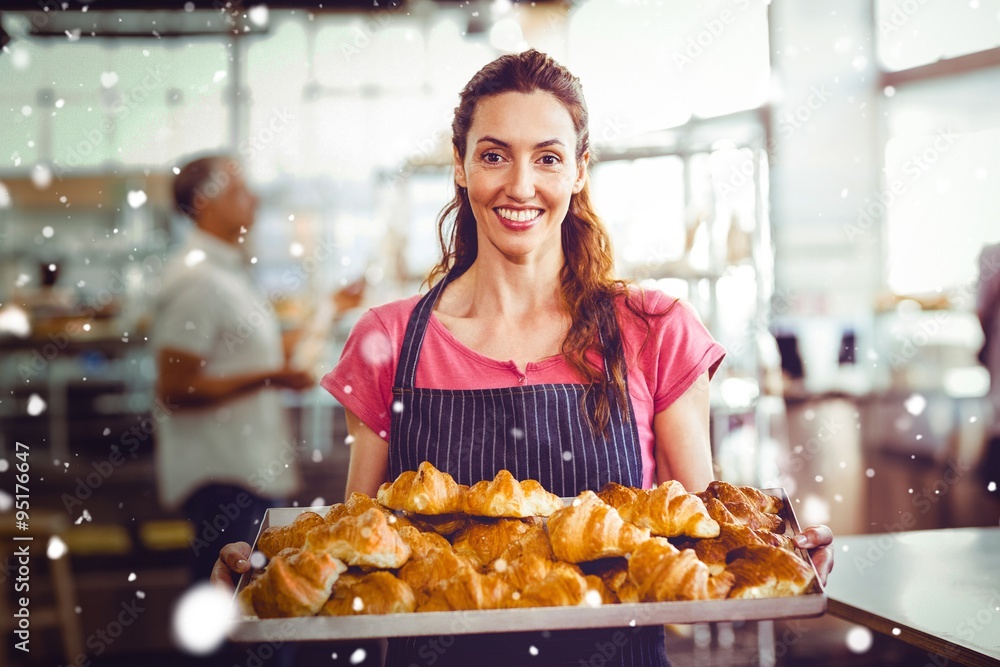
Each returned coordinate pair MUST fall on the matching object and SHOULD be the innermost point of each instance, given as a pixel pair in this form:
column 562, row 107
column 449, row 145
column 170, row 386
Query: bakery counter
column 936, row 589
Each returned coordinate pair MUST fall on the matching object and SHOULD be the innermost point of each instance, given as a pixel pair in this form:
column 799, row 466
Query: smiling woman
column 527, row 354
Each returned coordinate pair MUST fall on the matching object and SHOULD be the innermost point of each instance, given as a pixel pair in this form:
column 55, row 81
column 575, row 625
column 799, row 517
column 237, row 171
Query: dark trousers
column 220, row 514
column 989, row 467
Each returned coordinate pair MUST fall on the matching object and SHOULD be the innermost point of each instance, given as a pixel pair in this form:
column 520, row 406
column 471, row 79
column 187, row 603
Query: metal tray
column 535, row 618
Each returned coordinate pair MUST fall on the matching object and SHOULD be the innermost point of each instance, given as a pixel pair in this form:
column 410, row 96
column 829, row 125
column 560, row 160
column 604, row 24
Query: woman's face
column 520, row 170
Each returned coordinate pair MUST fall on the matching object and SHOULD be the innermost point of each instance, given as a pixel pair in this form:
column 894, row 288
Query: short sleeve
column 183, row 322
column 362, row 379
column 679, row 349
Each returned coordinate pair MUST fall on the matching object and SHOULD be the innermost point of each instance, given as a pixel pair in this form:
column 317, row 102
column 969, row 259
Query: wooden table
column 936, row 589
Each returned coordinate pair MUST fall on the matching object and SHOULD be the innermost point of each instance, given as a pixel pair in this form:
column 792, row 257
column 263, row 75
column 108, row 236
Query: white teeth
column 519, row 216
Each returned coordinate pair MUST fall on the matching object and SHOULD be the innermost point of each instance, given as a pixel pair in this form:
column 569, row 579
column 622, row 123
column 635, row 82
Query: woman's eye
column 550, row 159
column 492, row 158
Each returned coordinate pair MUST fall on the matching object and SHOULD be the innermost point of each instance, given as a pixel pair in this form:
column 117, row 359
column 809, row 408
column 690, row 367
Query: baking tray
column 374, row 626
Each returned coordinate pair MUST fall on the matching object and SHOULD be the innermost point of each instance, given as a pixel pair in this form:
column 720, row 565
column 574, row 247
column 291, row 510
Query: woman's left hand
column 819, row 541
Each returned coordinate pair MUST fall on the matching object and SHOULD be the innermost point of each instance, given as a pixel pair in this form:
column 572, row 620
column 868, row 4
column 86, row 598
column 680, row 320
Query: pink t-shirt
column 678, row 350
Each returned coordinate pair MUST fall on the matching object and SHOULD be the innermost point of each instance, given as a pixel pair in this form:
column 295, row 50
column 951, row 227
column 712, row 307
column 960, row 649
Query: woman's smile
column 518, row 219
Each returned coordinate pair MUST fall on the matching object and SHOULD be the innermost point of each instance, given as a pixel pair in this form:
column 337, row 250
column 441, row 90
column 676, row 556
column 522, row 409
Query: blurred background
column 817, row 179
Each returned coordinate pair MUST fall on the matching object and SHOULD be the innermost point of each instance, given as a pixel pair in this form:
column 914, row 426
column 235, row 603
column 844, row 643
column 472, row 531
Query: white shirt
column 208, row 306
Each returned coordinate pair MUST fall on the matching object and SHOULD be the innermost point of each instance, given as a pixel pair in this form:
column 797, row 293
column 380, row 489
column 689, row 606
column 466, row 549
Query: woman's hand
column 234, row 558
column 819, row 541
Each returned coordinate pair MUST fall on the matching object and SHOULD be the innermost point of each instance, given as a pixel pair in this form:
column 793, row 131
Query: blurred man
column 224, row 454
column 988, row 309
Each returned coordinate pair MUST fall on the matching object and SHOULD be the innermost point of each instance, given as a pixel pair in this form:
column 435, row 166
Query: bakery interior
column 831, row 172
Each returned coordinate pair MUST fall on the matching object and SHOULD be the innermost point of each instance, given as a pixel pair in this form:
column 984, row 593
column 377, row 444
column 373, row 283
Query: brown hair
column 588, row 286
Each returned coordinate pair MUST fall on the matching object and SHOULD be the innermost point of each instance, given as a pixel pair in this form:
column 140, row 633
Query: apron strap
column 416, row 327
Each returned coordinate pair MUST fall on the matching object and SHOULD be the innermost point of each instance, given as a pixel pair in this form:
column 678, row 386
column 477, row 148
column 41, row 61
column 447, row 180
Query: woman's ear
column 459, row 170
column 581, row 173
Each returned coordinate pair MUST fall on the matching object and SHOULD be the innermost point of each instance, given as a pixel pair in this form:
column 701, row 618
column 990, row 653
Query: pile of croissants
column 427, row 543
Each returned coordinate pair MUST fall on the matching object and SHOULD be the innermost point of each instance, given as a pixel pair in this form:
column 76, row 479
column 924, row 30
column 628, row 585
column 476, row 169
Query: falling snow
column 56, row 548
column 859, row 639
column 202, row 618
column 915, row 404
column 36, row 405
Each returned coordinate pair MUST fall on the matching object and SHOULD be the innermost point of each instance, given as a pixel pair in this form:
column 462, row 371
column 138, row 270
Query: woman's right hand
column 234, row 558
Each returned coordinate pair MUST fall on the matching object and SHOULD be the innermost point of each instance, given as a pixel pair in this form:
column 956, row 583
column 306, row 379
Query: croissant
column 731, row 536
column 534, row 542
column 669, row 510
column 662, row 573
column 729, row 494
column 424, row 491
column 590, row 529
column 563, row 586
column 762, row 571
column 376, row 593
column 294, row 585
column 484, row 541
column 357, row 504
column 742, row 514
column 504, row 496
column 522, row 571
column 276, row 538
column 422, row 543
column 466, row 589
column 436, row 565
column 616, row 494
column 527, row 559
column 366, row 540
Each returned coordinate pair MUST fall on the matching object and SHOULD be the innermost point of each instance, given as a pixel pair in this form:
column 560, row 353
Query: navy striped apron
column 536, row 432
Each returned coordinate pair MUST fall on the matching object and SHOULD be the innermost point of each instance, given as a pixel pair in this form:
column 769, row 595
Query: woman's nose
column 522, row 181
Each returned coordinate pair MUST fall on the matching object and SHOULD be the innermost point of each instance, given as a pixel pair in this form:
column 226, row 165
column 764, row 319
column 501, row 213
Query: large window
column 942, row 160
column 917, row 32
